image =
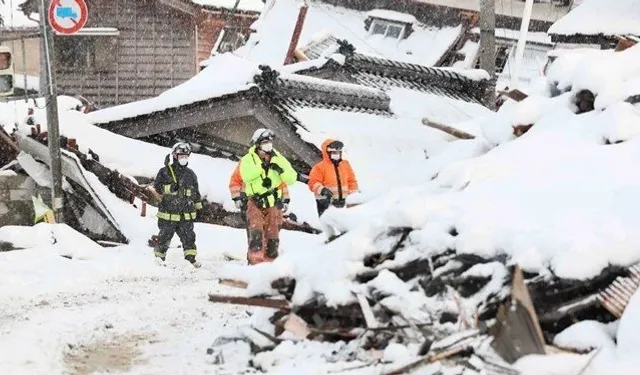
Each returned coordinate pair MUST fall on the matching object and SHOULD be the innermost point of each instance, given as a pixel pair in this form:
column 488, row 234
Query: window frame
column 387, row 26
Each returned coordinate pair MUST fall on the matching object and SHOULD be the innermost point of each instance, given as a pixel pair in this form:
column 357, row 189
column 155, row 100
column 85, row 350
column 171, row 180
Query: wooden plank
column 233, row 283
column 297, row 326
column 520, row 292
column 369, row 318
column 447, row 129
column 251, row 301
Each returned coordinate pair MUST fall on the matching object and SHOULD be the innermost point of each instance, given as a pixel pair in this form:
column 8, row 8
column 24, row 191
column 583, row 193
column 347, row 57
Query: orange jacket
column 236, row 186
column 326, row 174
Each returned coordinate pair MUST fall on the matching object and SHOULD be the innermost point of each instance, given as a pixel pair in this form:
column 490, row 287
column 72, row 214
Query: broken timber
column 617, row 295
column 233, row 283
column 279, row 304
column 447, row 129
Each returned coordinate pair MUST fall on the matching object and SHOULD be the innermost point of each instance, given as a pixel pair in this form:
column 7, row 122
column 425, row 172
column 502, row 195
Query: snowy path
column 135, row 318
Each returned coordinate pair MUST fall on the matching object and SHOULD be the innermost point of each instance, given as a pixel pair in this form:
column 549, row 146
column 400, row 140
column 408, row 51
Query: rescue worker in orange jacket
column 332, row 180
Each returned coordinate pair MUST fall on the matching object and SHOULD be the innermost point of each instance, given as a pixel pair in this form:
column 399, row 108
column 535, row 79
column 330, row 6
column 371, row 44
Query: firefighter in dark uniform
column 176, row 186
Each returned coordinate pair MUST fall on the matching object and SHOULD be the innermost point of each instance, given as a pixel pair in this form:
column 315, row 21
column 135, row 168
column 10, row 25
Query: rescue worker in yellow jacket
column 263, row 169
column 176, row 186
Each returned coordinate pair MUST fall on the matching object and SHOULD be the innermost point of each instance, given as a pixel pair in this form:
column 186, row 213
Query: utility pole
column 487, row 23
column 522, row 40
column 51, row 100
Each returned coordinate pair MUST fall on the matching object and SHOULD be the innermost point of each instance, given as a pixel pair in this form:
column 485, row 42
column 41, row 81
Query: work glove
column 239, row 204
column 340, row 203
column 277, row 168
column 266, row 183
column 326, row 193
column 285, row 205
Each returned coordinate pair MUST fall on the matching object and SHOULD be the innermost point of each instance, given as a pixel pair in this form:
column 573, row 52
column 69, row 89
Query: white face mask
column 266, row 147
column 335, row 156
column 183, row 161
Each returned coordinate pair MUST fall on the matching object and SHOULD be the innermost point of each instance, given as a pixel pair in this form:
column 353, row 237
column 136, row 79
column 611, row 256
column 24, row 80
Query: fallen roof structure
column 290, row 101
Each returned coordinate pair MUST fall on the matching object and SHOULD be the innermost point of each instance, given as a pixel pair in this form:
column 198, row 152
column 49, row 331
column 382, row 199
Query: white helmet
column 260, row 135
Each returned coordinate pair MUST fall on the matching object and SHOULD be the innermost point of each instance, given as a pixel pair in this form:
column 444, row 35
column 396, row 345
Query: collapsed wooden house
column 294, row 105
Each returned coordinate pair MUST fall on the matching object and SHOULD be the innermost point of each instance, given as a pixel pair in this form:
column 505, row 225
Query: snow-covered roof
column 208, row 84
column 244, row 5
column 374, row 114
column 14, row 18
column 392, row 15
column 600, row 17
column 274, row 29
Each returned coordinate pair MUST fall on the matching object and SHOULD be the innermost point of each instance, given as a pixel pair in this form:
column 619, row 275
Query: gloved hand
column 239, row 204
column 277, row 168
column 266, row 183
column 340, row 203
column 285, row 205
column 326, row 193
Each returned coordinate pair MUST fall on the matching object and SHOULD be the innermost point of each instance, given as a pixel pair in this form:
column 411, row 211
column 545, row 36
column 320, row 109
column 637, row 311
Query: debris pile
column 401, row 298
column 130, row 189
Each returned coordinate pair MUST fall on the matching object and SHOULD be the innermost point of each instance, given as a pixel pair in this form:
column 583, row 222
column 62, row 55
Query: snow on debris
column 392, row 15
column 226, row 74
column 60, row 237
column 586, row 335
column 611, row 76
column 14, row 18
column 554, row 195
column 594, row 17
column 244, row 5
column 275, row 26
column 135, row 158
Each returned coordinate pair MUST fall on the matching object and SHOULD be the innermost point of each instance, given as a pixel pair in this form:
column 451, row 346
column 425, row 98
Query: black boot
column 192, row 259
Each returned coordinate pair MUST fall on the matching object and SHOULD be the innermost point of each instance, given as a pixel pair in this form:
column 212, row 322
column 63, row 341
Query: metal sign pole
column 51, row 100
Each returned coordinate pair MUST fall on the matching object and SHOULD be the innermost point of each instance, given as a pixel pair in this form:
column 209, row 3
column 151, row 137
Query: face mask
column 266, row 147
column 183, row 161
column 335, row 156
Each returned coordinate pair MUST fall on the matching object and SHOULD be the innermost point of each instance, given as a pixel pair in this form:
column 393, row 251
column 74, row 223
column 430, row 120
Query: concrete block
column 20, row 195
column 4, row 209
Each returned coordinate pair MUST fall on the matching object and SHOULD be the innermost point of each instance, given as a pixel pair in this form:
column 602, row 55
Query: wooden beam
column 251, row 301
column 447, row 129
column 308, row 153
column 180, row 118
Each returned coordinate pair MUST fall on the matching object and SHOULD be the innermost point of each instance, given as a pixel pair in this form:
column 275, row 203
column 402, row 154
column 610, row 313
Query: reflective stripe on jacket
column 236, row 186
column 178, row 186
column 253, row 175
column 339, row 178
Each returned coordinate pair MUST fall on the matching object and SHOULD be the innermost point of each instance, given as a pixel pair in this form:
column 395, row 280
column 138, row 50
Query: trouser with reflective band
column 184, row 230
column 264, row 228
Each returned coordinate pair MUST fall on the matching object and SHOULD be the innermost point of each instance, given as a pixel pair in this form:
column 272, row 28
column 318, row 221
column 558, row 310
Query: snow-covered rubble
column 63, row 239
column 134, row 158
column 562, row 192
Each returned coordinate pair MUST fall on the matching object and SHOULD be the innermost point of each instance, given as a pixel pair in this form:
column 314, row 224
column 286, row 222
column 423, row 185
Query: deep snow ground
column 116, row 310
